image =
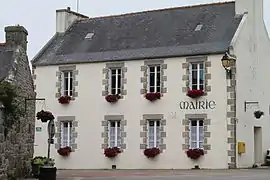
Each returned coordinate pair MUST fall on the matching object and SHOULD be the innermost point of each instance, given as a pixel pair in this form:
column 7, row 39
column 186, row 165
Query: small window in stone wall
column 115, row 81
column 66, row 132
column 196, row 134
column 67, row 83
column 153, row 133
column 196, row 73
column 154, row 84
column 114, row 133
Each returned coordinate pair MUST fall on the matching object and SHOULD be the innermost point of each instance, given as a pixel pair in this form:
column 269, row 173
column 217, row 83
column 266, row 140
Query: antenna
column 78, row 6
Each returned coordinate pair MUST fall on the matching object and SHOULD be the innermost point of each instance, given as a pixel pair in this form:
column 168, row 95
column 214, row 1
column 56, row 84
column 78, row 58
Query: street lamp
column 227, row 62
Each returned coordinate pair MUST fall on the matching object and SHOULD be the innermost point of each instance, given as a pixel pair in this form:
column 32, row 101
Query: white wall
column 252, row 49
column 90, row 108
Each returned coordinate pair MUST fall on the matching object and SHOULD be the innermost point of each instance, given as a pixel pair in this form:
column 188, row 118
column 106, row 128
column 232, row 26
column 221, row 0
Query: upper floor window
column 154, row 79
column 114, row 134
column 115, row 81
column 197, row 76
column 66, row 129
column 67, row 83
column 196, row 134
column 153, row 133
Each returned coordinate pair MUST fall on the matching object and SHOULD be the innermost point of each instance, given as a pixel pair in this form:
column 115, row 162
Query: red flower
column 112, row 98
column 65, row 151
column 112, row 152
column 64, row 99
column 151, row 152
column 195, row 153
column 152, row 96
column 195, row 93
column 44, row 116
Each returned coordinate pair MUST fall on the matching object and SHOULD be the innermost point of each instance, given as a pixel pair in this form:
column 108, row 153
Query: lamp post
column 227, row 62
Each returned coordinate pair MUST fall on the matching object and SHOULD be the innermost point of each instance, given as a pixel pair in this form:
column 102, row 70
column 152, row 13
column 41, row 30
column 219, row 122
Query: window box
column 151, row 152
column 153, row 96
column 64, row 99
column 65, row 151
column 195, row 153
column 44, row 116
column 112, row 152
column 195, row 93
column 112, row 98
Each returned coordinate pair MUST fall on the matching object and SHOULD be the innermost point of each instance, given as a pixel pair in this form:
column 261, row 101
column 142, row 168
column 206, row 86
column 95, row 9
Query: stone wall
column 16, row 150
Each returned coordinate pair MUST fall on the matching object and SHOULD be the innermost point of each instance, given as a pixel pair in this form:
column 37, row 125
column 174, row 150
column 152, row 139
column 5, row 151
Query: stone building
column 174, row 53
column 17, row 139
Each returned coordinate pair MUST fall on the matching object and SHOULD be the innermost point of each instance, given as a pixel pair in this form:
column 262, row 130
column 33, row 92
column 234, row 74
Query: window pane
column 112, row 123
column 193, row 123
column 158, row 79
column 194, row 66
column 152, row 89
column 201, row 145
column 151, row 123
column 152, row 69
column 119, row 81
column 152, row 79
column 193, row 145
column 113, row 81
column 201, row 123
column 66, row 85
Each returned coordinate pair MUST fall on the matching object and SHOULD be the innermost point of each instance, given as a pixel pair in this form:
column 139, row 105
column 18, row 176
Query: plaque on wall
column 197, row 105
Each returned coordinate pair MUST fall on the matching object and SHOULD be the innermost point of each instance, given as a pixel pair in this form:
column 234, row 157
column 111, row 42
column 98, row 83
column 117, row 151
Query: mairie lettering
column 197, row 104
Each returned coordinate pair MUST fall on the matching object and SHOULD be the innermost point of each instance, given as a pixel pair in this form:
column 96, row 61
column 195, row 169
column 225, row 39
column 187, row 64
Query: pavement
column 235, row 174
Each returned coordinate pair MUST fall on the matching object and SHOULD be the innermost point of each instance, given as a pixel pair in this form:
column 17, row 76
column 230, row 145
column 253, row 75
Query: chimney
column 254, row 8
column 65, row 17
column 16, row 35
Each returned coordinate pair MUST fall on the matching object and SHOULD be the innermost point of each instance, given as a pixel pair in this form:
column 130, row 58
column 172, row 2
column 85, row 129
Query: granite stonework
column 231, row 117
column 16, row 149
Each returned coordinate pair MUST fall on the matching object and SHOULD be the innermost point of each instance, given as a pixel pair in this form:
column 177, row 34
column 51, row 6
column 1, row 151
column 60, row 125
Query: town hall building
column 172, row 88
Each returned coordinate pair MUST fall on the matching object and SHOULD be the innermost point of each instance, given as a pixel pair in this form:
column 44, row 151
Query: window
column 154, row 79
column 114, row 134
column 66, row 128
column 67, row 83
column 196, row 134
column 115, row 81
column 197, row 76
column 153, row 133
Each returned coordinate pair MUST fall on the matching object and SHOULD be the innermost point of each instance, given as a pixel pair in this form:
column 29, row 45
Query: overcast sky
column 38, row 16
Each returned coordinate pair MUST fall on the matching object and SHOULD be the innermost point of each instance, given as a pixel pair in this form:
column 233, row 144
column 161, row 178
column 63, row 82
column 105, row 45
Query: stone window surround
column 105, row 125
column 186, row 132
column 74, row 134
column 144, row 78
column 144, row 130
column 105, row 81
column 207, row 75
column 74, row 82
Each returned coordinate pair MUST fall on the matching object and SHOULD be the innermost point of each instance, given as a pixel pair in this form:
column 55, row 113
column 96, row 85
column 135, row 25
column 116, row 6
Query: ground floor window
column 66, row 129
column 153, row 133
column 114, row 134
column 196, row 134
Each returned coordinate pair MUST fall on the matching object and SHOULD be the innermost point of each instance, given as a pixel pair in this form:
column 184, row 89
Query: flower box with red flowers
column 195, row 93
column 112, row 152
column 151, row 152
column 112, row 98
column 64, row 99
column 152, row 96
column 65, row 151
column 195, row 153
column 44, row 116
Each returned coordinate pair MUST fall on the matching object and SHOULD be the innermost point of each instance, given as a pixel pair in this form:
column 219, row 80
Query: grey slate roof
column 150, row 34
column 6, row 61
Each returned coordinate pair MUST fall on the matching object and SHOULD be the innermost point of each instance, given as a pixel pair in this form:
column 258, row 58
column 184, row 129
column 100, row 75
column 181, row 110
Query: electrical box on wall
column 241, row 147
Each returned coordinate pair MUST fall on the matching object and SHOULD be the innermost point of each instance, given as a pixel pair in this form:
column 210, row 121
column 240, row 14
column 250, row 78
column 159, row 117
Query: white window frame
column 197, row 134
column 155, row 78
column 156, row 140
column 68, row 134
column 115, row 133
column 198, row 75
column 70, row 78
column 116, row 80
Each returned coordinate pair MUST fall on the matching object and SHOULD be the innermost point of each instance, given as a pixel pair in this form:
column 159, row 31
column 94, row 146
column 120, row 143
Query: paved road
column 243, row 174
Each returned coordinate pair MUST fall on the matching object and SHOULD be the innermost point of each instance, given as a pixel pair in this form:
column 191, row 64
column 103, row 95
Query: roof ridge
column 156, row 10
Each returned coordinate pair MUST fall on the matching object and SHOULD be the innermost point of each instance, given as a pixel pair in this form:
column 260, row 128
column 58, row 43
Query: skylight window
column 89, row 35
column 198, row 27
